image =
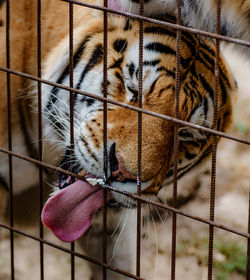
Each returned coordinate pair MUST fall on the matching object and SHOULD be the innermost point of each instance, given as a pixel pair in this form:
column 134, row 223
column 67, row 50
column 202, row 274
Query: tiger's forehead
column 151, row 63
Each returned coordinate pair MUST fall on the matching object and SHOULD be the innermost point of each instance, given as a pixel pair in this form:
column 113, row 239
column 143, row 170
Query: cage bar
column 40, row 134
column 139, row 146
column 105, row 121
column 71, row 115
column 176, row 141
column 215, row 140
column 9, row 110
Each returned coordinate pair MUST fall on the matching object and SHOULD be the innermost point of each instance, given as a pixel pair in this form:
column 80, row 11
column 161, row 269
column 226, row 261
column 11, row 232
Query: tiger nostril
column 117, row 167
column 114, row 165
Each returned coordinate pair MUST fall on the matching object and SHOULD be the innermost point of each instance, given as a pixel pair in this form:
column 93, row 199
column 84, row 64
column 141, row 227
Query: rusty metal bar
column 71, row 115
column 40, row 134
column 215, row 140
column 81, row 256
column 176, row 140
column 139, row 146
column 163, row 23
column 9, row 110
column 105, row 121
column 214, row 145
column 164, row 117
column 135, row 196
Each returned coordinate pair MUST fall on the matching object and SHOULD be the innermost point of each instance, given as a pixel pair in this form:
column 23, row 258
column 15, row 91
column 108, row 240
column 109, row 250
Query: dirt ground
column 232, row 192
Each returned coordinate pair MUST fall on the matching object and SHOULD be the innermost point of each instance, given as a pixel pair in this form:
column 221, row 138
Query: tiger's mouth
column 68, row 213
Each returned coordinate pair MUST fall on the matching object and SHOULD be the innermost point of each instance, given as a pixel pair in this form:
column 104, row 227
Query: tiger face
column 158, row 95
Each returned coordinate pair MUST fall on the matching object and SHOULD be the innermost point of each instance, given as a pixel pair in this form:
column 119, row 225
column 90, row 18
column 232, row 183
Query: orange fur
column 157, row 134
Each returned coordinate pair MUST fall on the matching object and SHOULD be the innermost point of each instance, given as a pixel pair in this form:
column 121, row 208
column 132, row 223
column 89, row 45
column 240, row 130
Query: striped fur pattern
column 235, row 15
column 196, row 106
column 196, row 100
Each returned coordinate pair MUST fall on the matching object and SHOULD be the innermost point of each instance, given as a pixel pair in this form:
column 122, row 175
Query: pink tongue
column 69, row 212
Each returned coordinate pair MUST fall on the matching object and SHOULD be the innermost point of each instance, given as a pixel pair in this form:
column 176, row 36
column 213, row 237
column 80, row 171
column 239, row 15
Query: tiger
column 201, row 14
column 75, row 204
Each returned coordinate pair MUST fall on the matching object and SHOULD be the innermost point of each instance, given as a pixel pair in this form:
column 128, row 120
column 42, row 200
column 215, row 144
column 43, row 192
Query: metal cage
column 177, row 122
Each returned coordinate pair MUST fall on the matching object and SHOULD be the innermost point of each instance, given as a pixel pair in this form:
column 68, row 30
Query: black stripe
column 159, row 47
column 95, row 58
column 208, row 49
column 207, row 86
column 223, row 91
column 159, row 30
column 212, row 63
column 131, row 69
column 152, row 62
column 53, row 96
column 152, row 88
column 120, row 45
column 207, row 58
column 65, row 73
column 205, row 104
column 118, row 76
column 88, row 149
column 168, row 87
column 188, row 92
column 117, row 63
column 135, row 94
column 186, row 62
column 83, row 156
column 127, row 25
column 188, row 38
column 167, row 71
column 193, row 71
column 190, row 156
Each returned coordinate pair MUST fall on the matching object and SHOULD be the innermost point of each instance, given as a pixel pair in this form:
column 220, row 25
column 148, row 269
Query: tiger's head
column 158, row 95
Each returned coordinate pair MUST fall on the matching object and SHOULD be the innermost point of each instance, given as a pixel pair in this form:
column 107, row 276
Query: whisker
column 119, row 237
column 156, row 248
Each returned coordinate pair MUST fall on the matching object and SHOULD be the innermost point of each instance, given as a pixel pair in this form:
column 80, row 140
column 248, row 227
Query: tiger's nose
column 117, row 166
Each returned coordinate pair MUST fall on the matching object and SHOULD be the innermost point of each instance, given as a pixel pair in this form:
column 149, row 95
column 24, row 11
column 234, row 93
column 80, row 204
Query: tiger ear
column 188, row 134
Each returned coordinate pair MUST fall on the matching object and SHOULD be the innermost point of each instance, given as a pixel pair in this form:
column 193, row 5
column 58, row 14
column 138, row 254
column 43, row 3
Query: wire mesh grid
column 140, row 111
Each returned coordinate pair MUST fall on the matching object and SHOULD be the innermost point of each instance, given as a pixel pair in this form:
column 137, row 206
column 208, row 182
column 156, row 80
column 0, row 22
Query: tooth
column 95, row 181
